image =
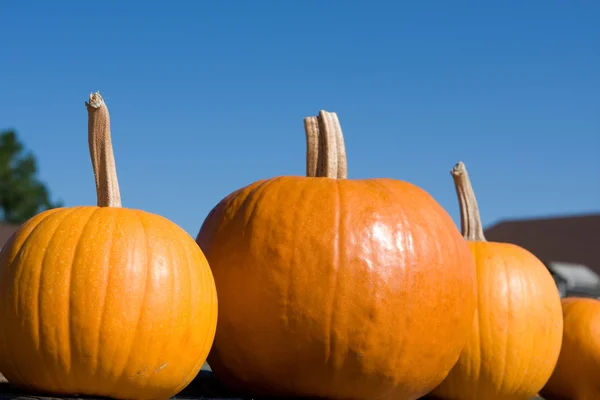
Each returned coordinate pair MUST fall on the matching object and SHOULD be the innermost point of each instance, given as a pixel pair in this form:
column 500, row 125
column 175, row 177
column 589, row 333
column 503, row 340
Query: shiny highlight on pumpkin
column 336, row 288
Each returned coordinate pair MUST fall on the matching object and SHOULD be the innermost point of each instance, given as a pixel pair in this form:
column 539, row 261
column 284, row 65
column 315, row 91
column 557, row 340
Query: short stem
column 342, row 169
column 101, row 152
column 326, row 152
column 311, row 127
column 472, row 229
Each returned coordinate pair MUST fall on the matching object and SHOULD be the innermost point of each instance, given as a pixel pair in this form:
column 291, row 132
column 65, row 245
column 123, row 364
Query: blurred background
column 207, row 97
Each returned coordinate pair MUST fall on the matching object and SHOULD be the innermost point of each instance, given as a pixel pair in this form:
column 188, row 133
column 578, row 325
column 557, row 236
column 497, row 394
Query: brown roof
column 574, row 239
column 5, row 231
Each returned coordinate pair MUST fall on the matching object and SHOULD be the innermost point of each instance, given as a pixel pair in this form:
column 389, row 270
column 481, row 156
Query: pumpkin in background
column 104, row 301
column 517, row 330
column 577, row 372
column 336, row 288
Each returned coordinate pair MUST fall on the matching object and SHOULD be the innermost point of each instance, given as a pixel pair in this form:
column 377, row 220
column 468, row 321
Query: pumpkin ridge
column 173, row 278
column 303, row 197
column 219, row 208
column 529, row 362
column 38, row 317
column 205, row 274
column 252, row 199
column 479, row 334
column 524, row 362
column 35, row 221
column 331, row 340
column 15, row 253
column 123, row 376
column 548, row 345
column 105, row 291
column 191, row 294
column 508, row 329
column 397, row 189
column 408, row 280
column 229, row 200
column 397, row 354
column 377, row 185
column 181, row 248
column 76, row 252
column 290, row 289
column 368, row 327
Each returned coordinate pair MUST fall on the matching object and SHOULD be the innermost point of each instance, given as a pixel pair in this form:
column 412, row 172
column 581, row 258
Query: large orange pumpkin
column 517, row 330
column 336, row 288
column 104, row 301
column 577, row 372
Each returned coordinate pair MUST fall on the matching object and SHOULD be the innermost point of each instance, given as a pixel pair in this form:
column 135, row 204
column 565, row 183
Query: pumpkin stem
column 101, row 152
column 326, row 152
column 470, row 219
column 311, row 127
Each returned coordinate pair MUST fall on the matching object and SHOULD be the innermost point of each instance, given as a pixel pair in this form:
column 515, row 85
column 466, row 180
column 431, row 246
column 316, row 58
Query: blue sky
column 206, row 97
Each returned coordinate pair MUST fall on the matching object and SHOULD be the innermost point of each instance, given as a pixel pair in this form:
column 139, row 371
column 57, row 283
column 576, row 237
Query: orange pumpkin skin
column 517, row 330
column 104, row 301
column 336, row 288
column 577, row 372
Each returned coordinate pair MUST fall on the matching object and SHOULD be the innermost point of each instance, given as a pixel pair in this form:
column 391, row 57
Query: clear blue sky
column 206, row 97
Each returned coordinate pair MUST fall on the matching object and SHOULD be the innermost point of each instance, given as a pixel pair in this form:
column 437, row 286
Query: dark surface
column 205, row 386
column 435, row 398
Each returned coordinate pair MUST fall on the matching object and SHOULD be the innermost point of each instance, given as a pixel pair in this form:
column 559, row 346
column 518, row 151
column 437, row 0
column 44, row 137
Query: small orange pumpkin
column 336, row 288
column 517, row 331
column 577, row 372
column 104, row 301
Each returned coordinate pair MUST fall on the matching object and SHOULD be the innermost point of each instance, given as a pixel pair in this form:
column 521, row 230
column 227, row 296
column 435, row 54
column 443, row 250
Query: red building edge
column 570, row 240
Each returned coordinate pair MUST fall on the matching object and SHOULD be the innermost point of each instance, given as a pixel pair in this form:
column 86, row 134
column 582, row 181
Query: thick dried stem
column 311, row 127
column 326, row 153
column 342, row 162
column 470, row 220
column 101, row 152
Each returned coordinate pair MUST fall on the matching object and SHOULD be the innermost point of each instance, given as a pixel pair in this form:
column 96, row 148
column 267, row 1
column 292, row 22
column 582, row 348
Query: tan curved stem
column 470, row 219
column 101, row 152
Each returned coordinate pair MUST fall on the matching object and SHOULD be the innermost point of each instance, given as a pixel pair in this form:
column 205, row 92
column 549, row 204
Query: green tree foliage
column 22, row 194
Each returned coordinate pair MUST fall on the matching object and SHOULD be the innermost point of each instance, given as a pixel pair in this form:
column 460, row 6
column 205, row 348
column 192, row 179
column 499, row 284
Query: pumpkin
column 577, row 372
column 517, row 330
column 104, row 301
column 336, row 288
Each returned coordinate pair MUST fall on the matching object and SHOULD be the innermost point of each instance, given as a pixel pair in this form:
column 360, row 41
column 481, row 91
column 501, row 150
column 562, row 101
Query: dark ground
column 205, row 387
